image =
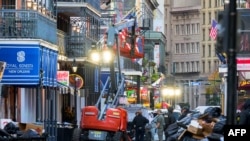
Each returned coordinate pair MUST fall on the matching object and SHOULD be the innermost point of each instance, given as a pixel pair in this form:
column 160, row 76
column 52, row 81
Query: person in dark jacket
column 245, row 114
column 184, row 112
column 169, row 117
column 139, row 123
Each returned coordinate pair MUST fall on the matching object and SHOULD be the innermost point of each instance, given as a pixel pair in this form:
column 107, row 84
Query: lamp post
column 74, row 69
column 232, row 69
column 100, row 57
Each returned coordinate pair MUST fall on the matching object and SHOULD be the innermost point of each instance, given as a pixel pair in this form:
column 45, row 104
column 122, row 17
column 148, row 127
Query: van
column 201, row 109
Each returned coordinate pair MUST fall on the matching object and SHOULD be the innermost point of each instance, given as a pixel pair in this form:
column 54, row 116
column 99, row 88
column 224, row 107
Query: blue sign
column 22, row 64
column 49, row 67
column 195, row 83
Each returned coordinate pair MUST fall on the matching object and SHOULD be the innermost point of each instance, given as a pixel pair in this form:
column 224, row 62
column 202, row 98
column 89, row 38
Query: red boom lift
column 110, row 122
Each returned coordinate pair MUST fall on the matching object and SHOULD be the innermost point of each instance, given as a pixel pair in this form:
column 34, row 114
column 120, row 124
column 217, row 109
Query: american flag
column 213, row 30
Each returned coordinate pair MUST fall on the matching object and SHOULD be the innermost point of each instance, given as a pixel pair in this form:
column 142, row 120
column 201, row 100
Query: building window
column 182, row 48
column 203, row 67
column 209, row 18
column 203, row 50
column 193, row 29
column 216, row 64
column 198, row 66
column 193, row 48
column 188, row 67
column 198, row 28
column 209, row 66
column 165, row 30
column 177, row 67
column 185, row 29
column 198, row 47
column 188, row 29
column 9, row 4
column 209, row 4
column 203, row 34
column 188, row 47
column 209, row 50
column 204, row 3
column 182, row 67
column 177, row 30
column 182, row 30
column 192, row 66
column 204, row 19
column 177, row 48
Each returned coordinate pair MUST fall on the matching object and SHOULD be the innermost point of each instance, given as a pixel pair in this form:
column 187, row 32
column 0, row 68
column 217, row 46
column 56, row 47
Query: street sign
column 194, row 83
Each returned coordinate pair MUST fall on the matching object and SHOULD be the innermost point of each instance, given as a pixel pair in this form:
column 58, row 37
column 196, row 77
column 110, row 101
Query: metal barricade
column 51, row 129
column 22, row 139
column 29, row 139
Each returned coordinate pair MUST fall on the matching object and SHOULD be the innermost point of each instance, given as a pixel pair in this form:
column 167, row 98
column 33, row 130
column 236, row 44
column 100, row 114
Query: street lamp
column 98, row 56
column 29, row 4
column 171, row 92
column 74, row 69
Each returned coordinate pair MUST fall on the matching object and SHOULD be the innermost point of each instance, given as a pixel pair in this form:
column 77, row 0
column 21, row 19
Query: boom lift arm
column 112, row 38
column 109, row 123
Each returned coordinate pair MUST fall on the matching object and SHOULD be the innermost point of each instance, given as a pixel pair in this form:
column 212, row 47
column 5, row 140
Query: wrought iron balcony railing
column 94, row 3
column 27, row 24
column 75, row 46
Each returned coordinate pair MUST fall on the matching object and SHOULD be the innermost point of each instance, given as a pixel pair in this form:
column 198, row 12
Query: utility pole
column 232, row 70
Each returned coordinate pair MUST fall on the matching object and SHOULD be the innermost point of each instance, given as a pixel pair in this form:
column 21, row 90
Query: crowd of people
column 162, row 122
column 165, row 122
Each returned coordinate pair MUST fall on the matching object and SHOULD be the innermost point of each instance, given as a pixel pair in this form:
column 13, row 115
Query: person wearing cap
column 139, row 123
column 160, row 123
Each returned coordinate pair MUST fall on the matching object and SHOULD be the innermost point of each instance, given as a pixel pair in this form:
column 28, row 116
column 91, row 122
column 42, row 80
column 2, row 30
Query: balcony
column 80, row 21
column 93, row 3
column 76, row 46
column 23, row 24
column 76, row 7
